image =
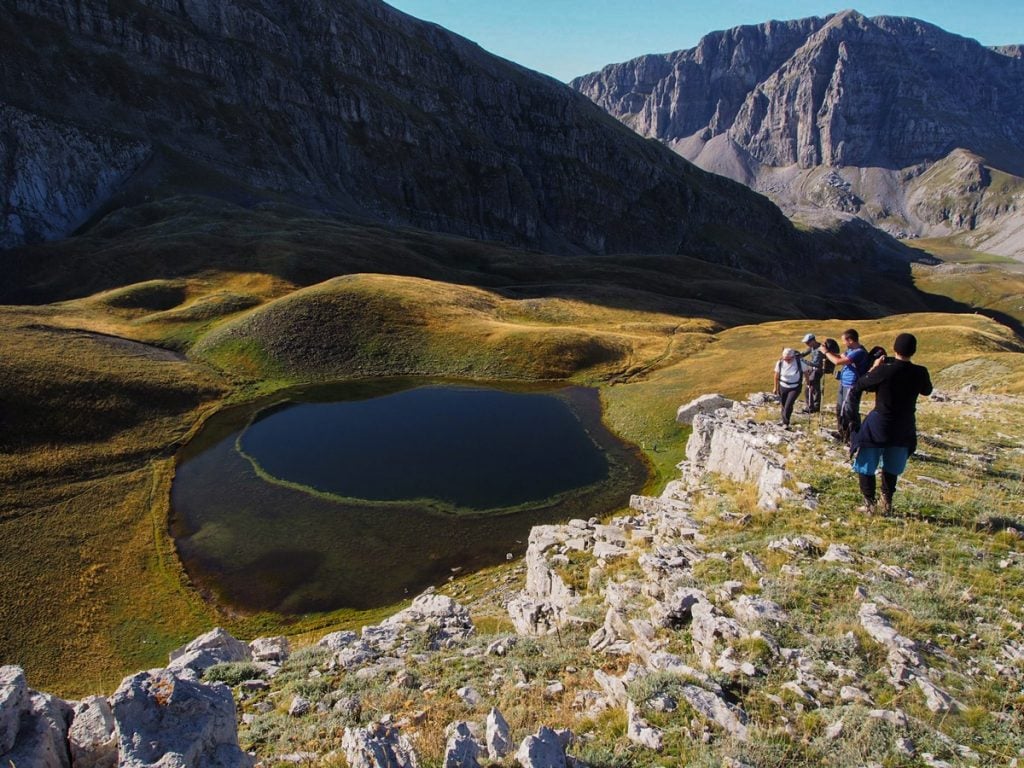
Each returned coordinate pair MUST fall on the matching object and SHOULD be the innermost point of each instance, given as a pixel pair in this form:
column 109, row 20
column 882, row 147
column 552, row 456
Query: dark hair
column 905, row 344
column 852, row 334
column 877, row 352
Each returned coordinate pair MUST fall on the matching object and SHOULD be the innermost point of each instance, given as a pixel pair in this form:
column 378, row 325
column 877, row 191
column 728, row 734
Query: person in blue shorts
column 888, row 435
column 855, row 363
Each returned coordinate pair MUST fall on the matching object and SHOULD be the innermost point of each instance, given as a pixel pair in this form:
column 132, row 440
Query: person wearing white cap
column 814, row 359
column 789, row 375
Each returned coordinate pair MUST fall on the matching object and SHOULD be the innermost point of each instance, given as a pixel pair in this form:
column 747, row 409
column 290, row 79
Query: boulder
column 715, row 708
column 497, row 735
column 91, row 736
column 215, row 647
column 740, row 451
column 462, row 749
column 378, row 745
column 534, row 617
column 639, row 731
column 14, row 697
column 41, row 740
column 162, row 720
column 337, row 641
column 544, row 749
column 273, row 649
column 437, row 615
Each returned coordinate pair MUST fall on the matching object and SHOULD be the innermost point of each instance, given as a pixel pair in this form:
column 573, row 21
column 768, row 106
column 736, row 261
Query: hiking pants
column 813, row 397
column 787, row 399
column 847, row 411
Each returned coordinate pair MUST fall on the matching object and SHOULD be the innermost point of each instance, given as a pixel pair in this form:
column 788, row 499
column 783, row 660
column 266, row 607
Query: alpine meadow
column 238, row 235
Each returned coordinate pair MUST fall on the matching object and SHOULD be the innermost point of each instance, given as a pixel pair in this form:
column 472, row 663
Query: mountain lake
column 357, row 495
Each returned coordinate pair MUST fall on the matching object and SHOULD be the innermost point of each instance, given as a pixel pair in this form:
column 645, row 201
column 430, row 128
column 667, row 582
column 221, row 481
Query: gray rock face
column 42, row 738
column 740, row 451
column 350, row 106
column 33, row 726
column 854, row 108
column 215, row 647
column 543, row 749
column 13, row 701
column 497, row 736
column 92, row 737
column 462, row 749
column 162, row 720
column 377, row 746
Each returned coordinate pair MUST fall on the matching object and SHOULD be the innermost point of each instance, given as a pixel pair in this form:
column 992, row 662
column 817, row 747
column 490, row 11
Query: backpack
column 827, row 366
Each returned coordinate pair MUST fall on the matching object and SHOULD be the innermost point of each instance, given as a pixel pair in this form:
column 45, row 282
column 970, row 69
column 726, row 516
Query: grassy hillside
column 160, row 315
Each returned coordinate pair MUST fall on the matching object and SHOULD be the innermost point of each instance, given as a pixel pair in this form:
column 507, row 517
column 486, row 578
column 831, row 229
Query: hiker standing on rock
column 814, row 359
column 789, row 375
column 889, row 433
column 855, row 363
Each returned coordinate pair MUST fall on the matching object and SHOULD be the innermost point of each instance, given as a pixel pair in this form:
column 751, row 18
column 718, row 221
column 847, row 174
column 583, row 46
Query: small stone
column 299, row 706
column 469, row 695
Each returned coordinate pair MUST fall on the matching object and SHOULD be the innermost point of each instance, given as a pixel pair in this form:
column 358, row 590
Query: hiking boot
column 867, row 508
column 886, row 506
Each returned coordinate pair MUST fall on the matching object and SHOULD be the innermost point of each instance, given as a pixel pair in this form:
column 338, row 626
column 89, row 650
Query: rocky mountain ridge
column 846, row 114
column 664, row 641
column 348, row 107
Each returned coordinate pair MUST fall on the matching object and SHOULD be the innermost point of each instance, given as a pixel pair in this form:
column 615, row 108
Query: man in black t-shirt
column 889, row 433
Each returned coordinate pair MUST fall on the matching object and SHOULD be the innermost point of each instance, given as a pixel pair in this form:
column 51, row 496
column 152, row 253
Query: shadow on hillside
column 850, row 270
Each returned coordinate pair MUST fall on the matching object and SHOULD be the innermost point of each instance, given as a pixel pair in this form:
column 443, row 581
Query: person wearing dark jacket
column 889, row 433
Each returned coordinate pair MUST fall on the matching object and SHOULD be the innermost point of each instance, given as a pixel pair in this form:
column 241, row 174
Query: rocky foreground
column 635, row 625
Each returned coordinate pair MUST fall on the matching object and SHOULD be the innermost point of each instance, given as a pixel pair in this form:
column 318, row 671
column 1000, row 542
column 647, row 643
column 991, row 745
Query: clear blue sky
column 566, row 38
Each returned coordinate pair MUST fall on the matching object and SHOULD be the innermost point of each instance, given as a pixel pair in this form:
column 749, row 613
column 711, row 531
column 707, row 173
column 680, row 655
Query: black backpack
column 827, row 366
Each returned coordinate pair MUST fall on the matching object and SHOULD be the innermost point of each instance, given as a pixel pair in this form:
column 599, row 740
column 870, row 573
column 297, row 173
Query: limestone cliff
column 843, row 113
column 342, row 106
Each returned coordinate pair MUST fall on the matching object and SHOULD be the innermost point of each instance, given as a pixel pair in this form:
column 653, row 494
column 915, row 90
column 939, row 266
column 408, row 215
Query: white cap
column 808, row 337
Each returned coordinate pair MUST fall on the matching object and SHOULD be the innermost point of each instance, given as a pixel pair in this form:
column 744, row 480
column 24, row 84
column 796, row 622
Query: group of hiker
column 888, row 434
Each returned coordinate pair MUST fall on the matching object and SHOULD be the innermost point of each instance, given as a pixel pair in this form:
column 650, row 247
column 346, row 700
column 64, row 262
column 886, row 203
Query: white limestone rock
column 14, row 699
column 379, row 745
column 270, row 649
column 749, row 609
column 936, row 699
column 497, row 736
column 462, row 749
column 337, row 641
column 162, row 720
column 838, row 553
column 91, row 736
column 715, row 708
column 738, row 450
column 469, row 695
column 41, row 738
column 544, row 749
column 676, row 610
column 444, row 619
column 639, row 731
column 612, row 637
column 901, row 649
column 215, row 647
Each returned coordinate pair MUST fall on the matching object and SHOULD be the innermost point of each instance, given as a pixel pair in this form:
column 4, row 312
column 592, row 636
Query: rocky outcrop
column 731, row 444
column 163, row 720
column 214, row 647
column 33, row 725
column 347, row 106
column 376, row 745
column 843, row 113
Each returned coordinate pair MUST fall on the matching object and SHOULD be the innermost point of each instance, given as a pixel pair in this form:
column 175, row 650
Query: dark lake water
column 355, row 496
